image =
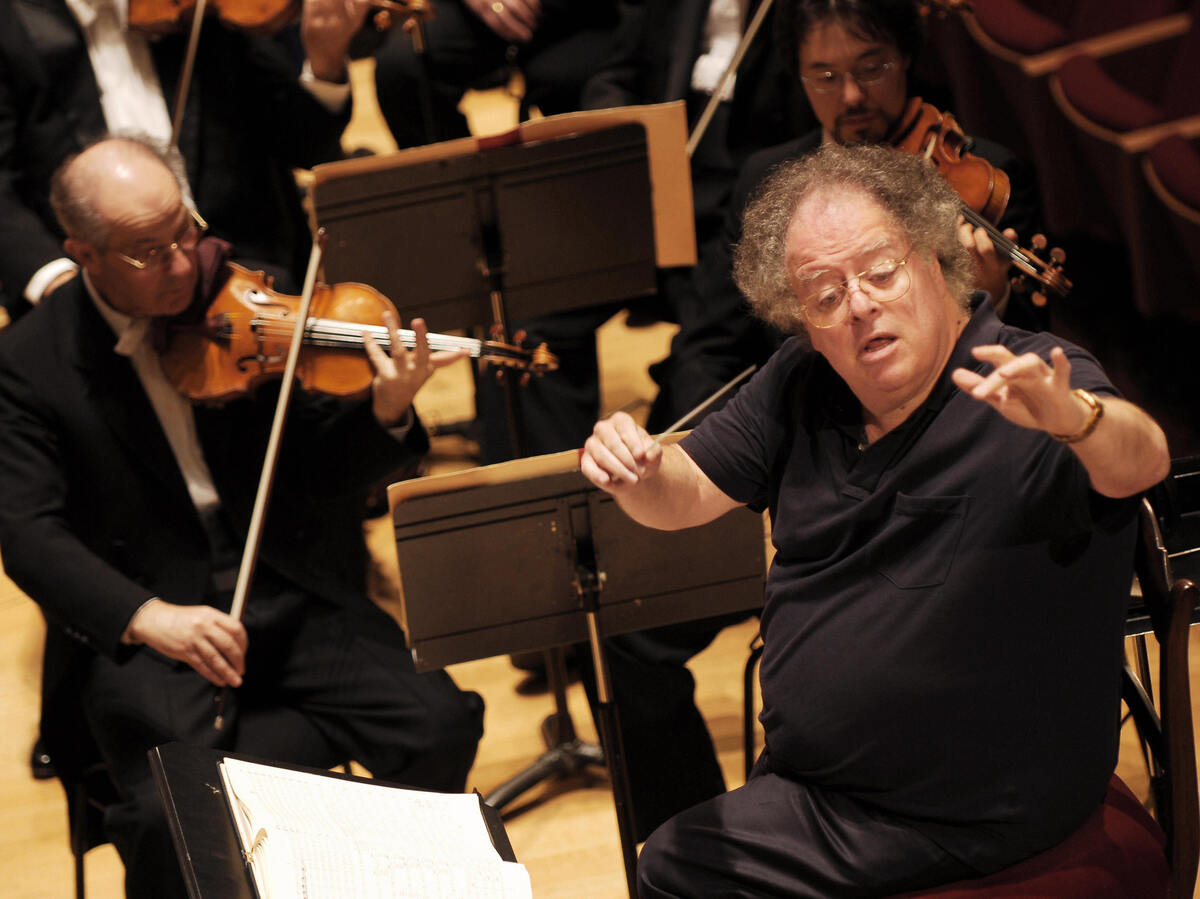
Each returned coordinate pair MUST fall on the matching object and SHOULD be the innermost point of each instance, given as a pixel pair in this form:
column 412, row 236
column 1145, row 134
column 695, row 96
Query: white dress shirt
column 722, row 33
column 173, row 411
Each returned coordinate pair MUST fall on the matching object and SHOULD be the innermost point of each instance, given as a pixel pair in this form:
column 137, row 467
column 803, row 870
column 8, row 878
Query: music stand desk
column 206, row 843
column 497, row 560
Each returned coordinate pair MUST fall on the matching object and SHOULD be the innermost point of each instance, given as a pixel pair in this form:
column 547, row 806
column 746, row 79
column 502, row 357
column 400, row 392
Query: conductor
column 953, row 517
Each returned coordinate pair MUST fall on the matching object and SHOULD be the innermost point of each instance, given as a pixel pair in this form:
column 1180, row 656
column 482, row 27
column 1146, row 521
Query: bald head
column 108, row 179
column 128, row 226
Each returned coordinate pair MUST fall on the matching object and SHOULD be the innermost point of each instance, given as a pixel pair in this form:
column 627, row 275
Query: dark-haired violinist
column 854, row 61
column 125, row 509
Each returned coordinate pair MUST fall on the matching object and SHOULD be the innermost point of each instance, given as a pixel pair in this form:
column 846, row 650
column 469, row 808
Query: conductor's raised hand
column 619, row 454
column 209, row 640
column 400, row 373
column 1026, row 390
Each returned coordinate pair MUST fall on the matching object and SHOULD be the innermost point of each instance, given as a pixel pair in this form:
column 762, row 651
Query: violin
column 253, row 16
column 241, row 340
column 936, row 136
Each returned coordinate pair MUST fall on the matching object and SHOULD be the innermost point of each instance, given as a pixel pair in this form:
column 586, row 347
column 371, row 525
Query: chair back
column 1167, row 731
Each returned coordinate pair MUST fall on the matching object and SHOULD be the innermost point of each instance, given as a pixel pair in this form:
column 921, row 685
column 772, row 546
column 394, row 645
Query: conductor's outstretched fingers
column 1024, row 389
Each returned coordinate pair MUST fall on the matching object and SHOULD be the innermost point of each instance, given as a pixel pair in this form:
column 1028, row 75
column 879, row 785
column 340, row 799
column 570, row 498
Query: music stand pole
column 610, row 730
column 416, row 32
column 565, row 753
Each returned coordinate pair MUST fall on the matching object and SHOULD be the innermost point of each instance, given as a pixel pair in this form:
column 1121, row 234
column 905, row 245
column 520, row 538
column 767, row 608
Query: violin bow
column 714, row 99
column 267, row 476
column 185, row 76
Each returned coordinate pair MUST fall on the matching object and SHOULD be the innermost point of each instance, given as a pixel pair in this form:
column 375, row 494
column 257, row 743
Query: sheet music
column 322, row 836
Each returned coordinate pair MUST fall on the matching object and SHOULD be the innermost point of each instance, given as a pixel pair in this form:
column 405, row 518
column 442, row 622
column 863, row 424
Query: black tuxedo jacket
column 247, row 123
column 654, row 49
column 95, row 517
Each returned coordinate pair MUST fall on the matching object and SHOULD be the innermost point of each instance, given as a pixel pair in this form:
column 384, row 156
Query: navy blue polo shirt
column 944, row 613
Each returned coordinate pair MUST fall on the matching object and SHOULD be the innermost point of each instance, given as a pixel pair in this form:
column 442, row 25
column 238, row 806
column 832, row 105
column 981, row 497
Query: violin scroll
column 1048, row 273
column 410, row 12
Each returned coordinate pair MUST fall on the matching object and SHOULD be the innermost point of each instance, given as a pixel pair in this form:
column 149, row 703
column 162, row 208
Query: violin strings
column 996, row 234
column 1014, row 252
column 335, row 334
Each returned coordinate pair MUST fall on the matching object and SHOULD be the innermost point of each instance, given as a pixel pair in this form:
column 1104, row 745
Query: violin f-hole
column 245, row 363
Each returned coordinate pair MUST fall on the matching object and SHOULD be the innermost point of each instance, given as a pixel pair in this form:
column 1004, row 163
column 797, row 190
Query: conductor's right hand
column 209, row 640
column 619, row 454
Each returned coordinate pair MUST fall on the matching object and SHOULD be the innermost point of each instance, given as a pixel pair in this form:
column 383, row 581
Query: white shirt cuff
column 45, row 275
column 329, row 94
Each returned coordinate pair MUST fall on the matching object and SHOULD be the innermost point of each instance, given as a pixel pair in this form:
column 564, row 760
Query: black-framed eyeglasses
column 884, row 282
column 865, row 74
column 156, row 257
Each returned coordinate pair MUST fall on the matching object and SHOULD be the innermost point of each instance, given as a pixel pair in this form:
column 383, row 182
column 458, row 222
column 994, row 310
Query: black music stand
column 463, row 236
column 556, row 562
column 559, row 224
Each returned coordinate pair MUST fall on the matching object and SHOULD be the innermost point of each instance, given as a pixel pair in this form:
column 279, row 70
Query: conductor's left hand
column 1025, row 390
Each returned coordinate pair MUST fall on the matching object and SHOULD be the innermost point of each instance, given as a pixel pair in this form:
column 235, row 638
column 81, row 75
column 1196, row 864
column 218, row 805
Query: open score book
column 309, row 835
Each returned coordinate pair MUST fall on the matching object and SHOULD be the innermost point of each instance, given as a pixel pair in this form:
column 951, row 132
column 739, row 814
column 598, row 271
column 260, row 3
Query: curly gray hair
column 909, row 189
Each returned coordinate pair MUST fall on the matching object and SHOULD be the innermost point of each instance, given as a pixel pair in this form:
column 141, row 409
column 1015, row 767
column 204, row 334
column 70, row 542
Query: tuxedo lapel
column 688, row 29
column 112, row 388
column 59, row 47
column 168, row 56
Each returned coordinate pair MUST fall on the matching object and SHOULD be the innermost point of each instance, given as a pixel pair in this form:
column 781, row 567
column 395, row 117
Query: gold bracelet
column 1097, row 413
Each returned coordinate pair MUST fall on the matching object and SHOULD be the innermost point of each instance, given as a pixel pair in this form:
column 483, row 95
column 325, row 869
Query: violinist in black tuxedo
column 556, row 44
column 71, row 72
column 660, row 51
column 653, row 59
column 123, row 510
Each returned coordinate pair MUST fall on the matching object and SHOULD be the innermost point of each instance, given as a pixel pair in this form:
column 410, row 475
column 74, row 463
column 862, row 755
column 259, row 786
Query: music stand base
column 557, row 761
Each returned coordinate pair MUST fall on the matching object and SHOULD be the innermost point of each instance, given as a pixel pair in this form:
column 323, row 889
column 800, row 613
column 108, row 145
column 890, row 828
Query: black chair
column 90, row 789
column 1121, row 851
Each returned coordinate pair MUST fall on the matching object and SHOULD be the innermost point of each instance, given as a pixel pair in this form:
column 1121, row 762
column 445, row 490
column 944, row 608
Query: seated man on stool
column 123, row 510
column 953, row 517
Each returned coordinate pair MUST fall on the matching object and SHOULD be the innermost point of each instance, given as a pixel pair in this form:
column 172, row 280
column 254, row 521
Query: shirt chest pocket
column 916, row 545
